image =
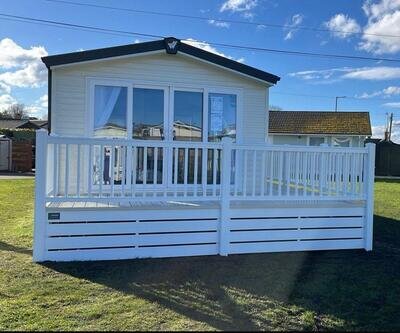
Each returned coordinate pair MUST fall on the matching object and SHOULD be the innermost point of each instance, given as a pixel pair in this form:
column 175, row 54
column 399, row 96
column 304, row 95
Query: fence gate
column 5, row 152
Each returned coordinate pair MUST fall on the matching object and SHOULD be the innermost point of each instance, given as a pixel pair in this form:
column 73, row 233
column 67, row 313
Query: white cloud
column 341, row 26
column 383, row 19
column 13, row 55
column 43, row 101
column 323, row 74
column 238, row 5
column 392, row 105
column 374, row 73
column 295, row 21
column 21, row 67
column 387, row 92
column 207, row 47
column 377, row 9
column 6, row 100
column 219, row 24
column 33, row 75
column 39, row 108
column 379, row 131
column 4, row 88
column 378, row 73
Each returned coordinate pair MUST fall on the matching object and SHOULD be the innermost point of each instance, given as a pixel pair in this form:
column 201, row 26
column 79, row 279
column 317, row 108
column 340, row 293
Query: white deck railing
column 107, row 170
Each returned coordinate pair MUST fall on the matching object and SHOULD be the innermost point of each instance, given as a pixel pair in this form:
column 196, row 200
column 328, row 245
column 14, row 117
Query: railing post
column 225, row 196
column 39, row 237
column 369, row 209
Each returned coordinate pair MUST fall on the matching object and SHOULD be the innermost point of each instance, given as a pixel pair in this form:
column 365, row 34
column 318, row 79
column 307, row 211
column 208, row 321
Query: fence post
column 225, row 196
column 39, row 237
column 369, row 181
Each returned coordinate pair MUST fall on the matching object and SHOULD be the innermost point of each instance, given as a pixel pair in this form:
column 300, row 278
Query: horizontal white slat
column 284, row 223
column 132, row 253
column 70, row 229
column 91, row 228
column 341, row 209
column 184, row 238
column 83, row 255
column 271, row 235
column 177, row 251
column 177, row 226
column 295, row 246
column 89, row 242
column 147, row 212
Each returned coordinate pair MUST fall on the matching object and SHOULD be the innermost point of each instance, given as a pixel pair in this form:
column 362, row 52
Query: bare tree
column 15, row 111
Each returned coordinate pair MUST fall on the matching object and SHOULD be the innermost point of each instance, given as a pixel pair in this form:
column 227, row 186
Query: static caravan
column 159, row 149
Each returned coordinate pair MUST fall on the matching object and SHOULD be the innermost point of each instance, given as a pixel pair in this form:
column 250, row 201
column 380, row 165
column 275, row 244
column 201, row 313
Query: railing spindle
column 253, row 188
column 271, row 174
column 134, row 170
column 144, row 176
column 185, row 171
column 204, row 159
column 245, row 174
column 56, row 170
column 155, row 165
column 66, row 169
column 195, row 171
column 111, row 168
column 214, row 172
column 262, row 191
column 280, row 168
column 78, row 172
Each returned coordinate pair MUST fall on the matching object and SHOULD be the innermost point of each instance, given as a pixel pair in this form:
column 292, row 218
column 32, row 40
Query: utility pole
column 390, row 125
column 336, row 99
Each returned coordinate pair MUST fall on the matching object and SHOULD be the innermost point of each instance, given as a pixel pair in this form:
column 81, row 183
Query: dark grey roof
column 319, row 122
column 22, row 123
column 171, row 46
column 12, row 123
column 39, row 123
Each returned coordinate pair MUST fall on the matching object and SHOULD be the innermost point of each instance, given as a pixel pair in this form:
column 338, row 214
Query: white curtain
column 105, row 99
column 342, row 142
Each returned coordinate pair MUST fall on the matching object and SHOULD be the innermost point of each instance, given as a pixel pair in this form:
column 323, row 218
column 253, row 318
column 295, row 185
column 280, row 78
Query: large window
column 148, row 113
column 191, row 115
column 221, row 116
column 316, row 141
column 188, row 116
column 110, row 105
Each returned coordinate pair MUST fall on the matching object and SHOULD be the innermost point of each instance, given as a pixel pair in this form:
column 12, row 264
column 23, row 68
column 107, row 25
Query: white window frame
column 169, row 89
column 316, row 136
column 168, row 102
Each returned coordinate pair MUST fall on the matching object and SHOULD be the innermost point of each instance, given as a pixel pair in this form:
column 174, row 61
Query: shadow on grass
column 358, row 289
column 12, row 248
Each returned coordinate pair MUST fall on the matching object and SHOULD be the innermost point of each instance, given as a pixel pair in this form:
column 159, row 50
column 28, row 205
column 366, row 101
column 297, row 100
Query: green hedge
column 19, row 134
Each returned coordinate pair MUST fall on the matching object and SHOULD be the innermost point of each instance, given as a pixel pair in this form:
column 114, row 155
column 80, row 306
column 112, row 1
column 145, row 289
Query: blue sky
column 307, row 83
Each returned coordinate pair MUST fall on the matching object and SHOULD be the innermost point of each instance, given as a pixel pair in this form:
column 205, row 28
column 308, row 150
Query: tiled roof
column 319, row 122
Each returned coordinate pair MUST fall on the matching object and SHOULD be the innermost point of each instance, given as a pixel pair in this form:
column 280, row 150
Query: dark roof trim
column 171, row 45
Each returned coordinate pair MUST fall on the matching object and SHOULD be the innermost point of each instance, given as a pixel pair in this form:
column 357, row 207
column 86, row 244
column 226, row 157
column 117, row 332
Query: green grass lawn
column 341, row 290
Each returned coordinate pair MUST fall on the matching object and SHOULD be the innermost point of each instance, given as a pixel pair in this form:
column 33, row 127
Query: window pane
column 148, row 113
column 316, row 141
column 341, row 142
column 221, row 116
column 110, row 105
column 188, row 116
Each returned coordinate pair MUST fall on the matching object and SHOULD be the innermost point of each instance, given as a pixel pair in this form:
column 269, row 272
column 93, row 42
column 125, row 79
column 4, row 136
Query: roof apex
column 171, row 45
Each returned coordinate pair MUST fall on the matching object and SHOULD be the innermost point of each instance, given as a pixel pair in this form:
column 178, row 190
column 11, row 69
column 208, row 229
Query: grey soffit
column 171, row 45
